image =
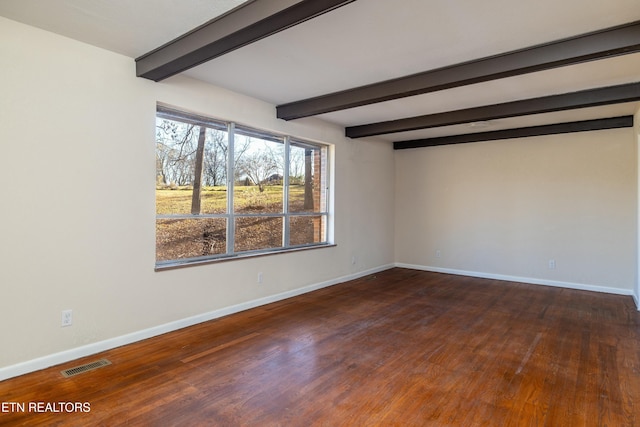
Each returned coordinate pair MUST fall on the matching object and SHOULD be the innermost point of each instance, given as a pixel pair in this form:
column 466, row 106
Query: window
column 224, row 190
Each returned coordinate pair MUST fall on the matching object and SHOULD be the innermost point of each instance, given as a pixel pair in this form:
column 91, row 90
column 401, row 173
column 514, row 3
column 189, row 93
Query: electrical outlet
column 552, row 264
column 67, row 318
column 438, row 253
column 260, row 277
column 353, row 260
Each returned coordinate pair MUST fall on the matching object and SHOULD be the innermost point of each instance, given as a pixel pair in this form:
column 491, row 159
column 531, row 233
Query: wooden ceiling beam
column 587, row 98
column 246, row 24
column 553, row 129
column 601, row 44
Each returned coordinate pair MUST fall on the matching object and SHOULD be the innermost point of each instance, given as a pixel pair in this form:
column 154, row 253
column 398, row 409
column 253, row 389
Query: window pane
column 258, row 233
column 183, row 151
column 307, row 229
column 307, row 178
column 259, row 165
column 188, row 238
column 176, row 145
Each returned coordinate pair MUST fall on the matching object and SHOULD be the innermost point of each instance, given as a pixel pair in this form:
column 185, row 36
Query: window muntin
column 271, row 197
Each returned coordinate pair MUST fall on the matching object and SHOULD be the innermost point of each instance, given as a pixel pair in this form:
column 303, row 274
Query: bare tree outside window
column 261, row 167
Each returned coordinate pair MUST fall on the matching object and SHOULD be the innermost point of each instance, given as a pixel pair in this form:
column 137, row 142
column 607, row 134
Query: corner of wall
column 636, row 124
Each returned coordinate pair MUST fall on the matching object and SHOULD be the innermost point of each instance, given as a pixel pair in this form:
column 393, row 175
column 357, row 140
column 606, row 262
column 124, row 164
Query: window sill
column 234, row 257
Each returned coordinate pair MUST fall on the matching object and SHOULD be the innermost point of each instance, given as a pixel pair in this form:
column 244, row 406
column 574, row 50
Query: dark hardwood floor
column 401, row 347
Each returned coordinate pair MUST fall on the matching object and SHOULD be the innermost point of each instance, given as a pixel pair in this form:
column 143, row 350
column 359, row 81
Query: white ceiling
column 129, row 27
column 364, row 42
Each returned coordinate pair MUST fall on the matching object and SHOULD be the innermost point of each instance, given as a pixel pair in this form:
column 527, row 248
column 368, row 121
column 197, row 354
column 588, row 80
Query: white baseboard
column 637, row 300
column 529, row 280
column 89, row 349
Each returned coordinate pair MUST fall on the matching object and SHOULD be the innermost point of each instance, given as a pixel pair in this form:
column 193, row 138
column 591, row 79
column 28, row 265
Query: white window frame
column 171, row 113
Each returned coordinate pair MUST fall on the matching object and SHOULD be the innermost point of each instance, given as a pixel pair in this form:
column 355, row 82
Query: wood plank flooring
column 399, row 348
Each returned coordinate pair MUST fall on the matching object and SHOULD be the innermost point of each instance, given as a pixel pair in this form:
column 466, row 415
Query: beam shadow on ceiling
column 554, row 129
column 246, row 24
column 587, row 98
column 620, row 40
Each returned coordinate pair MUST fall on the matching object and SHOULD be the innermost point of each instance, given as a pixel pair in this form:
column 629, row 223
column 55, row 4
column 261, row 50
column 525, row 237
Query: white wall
column 78, row 208
column 505, row 208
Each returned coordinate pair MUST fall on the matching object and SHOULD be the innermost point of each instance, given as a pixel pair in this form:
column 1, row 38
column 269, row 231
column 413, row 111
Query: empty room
column 305, row 212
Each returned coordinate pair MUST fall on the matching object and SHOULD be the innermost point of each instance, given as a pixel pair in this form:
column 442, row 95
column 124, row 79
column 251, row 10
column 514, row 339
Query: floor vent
column 85, row 368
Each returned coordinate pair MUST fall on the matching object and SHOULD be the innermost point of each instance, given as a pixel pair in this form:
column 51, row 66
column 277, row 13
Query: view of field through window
column 200, row 212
